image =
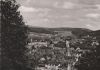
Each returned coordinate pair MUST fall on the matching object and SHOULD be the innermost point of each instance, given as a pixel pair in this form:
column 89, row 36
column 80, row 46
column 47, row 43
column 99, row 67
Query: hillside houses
column 38, row 44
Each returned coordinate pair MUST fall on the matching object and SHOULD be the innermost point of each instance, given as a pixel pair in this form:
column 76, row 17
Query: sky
column 61, row 13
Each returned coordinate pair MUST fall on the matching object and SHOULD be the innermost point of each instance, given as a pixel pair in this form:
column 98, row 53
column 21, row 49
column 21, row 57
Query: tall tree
column 14, row 34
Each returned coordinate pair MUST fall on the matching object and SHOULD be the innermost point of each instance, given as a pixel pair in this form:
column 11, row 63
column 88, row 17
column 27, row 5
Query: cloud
column 46, row 20
column 32, row 9
column 68, row 5
column 98, row 6
column 28, row 1
column 90, row 26
column 27, row 9
column 64, row 5
column 61, row 13
column 93, row 15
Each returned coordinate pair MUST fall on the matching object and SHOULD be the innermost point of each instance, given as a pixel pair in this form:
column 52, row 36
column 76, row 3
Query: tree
column 14, row 35
column 89, row 60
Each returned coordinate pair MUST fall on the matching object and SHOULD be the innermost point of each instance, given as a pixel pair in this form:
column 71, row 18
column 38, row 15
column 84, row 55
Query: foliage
column 89, row 59
column 14, row 35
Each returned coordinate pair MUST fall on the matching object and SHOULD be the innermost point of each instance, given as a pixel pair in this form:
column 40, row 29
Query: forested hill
column 96, row 33
column 75, row 31
column 40, row 30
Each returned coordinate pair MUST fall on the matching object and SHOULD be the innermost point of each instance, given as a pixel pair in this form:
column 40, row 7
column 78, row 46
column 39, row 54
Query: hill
column 75, row 31
column 96, row 34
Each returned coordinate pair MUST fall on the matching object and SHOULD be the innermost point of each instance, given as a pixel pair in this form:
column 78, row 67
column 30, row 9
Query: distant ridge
column 75, row 31
column 96, row 34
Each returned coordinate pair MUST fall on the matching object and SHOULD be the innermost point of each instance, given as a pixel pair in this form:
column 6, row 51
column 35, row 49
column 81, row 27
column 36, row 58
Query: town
column 58, row 51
